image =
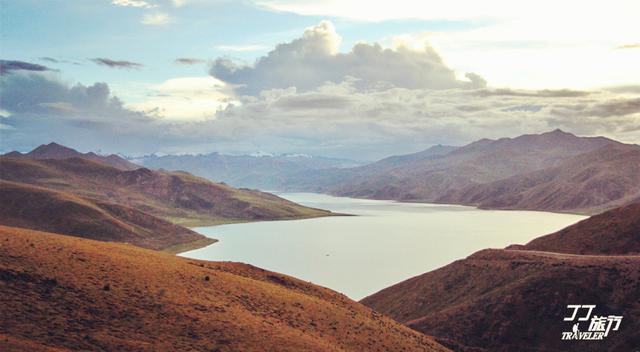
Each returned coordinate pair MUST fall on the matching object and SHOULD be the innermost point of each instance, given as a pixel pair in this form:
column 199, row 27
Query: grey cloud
column 314, row 101
column 188, row 61
column 117, row 63
column 613, row 107
column 631, row 89
column 312, row 60
column 49, row 59
column 7, row 66
column 524, row 107
column 40, row 107
column 58, row 61
column 33, row 93
column 335, row 119
column 545, row 93
column 618, row 107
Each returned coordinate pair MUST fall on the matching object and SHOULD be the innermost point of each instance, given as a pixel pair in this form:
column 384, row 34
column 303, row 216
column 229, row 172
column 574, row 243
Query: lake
column 386, row 243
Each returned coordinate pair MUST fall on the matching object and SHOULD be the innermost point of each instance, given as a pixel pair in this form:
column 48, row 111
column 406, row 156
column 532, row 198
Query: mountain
column 57, row 151
column 588, row 183
column 553, row 171
column 48, row 210
column 512, row 300
column 62, row 293
column 613, row 232
column 143, row 207
column 261, row 171
column 474, row 164
column 515, row 299
column 176, row 196
column 328, row 180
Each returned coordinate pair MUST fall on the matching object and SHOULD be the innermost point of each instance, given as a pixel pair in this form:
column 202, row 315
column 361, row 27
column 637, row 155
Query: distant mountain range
column 43, row 190
column 61, row 293
column 262, row 171
column 56, row 151
column 554, row 171
column 515, row 299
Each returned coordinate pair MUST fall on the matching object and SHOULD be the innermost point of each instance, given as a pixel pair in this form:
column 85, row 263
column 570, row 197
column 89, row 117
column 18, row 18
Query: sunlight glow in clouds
column 186, row 98
column 535, row 44
column 357, row 89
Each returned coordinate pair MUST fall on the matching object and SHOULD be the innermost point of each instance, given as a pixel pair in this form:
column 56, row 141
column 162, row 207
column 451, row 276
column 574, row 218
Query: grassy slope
column 143, row 207
column 177, row 196
column 47, row 210
column 510, row 300
column 613, row 232
column 77, row 294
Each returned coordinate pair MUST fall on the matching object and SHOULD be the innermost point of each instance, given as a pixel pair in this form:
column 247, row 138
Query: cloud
column 544, row 93
column 506, row 40
column 117, row 63
column 58, row 61
column 41, row 107
column 629, row 46
column 33, row 93
column 50, row 59
column 617, row 107
column 156, row 19
column 628, row 89
column 186, row 98
column 240, row 48
column 134, row 3
column 7, row 66
column 313, row 101
column 188, row 61
column 201, row 114
column 313, row 59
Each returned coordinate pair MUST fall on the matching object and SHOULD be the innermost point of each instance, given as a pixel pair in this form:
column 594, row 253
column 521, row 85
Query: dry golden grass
column 76, row 294
column 143, row 207
column 175, row 196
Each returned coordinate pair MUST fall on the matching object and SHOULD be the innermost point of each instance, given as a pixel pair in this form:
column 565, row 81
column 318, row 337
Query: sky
column 342, row 78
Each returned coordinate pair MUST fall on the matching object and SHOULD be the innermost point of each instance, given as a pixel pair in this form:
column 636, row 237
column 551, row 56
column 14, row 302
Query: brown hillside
column 506, row 300
column 478, row 163
column 76, row 294
column 47, row 210
column 178, row 196
column 589, row 183
column 613, row 232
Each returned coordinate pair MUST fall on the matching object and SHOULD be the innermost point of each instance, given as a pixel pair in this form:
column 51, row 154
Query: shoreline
column 207, row 241
column 189, row 246
column 587, row 212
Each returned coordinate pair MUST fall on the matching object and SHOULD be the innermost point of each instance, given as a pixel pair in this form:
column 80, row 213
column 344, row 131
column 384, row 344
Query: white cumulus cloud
column 313, row 59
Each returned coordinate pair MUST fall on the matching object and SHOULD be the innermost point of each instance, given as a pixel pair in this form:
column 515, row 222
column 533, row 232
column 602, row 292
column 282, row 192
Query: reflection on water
column 388, row 242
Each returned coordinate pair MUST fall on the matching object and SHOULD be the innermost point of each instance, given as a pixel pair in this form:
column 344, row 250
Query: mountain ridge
column 54, row 150
column 481, row 174
column 148, row 208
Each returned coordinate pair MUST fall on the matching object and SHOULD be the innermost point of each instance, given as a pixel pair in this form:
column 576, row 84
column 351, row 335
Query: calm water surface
column 386, row 243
